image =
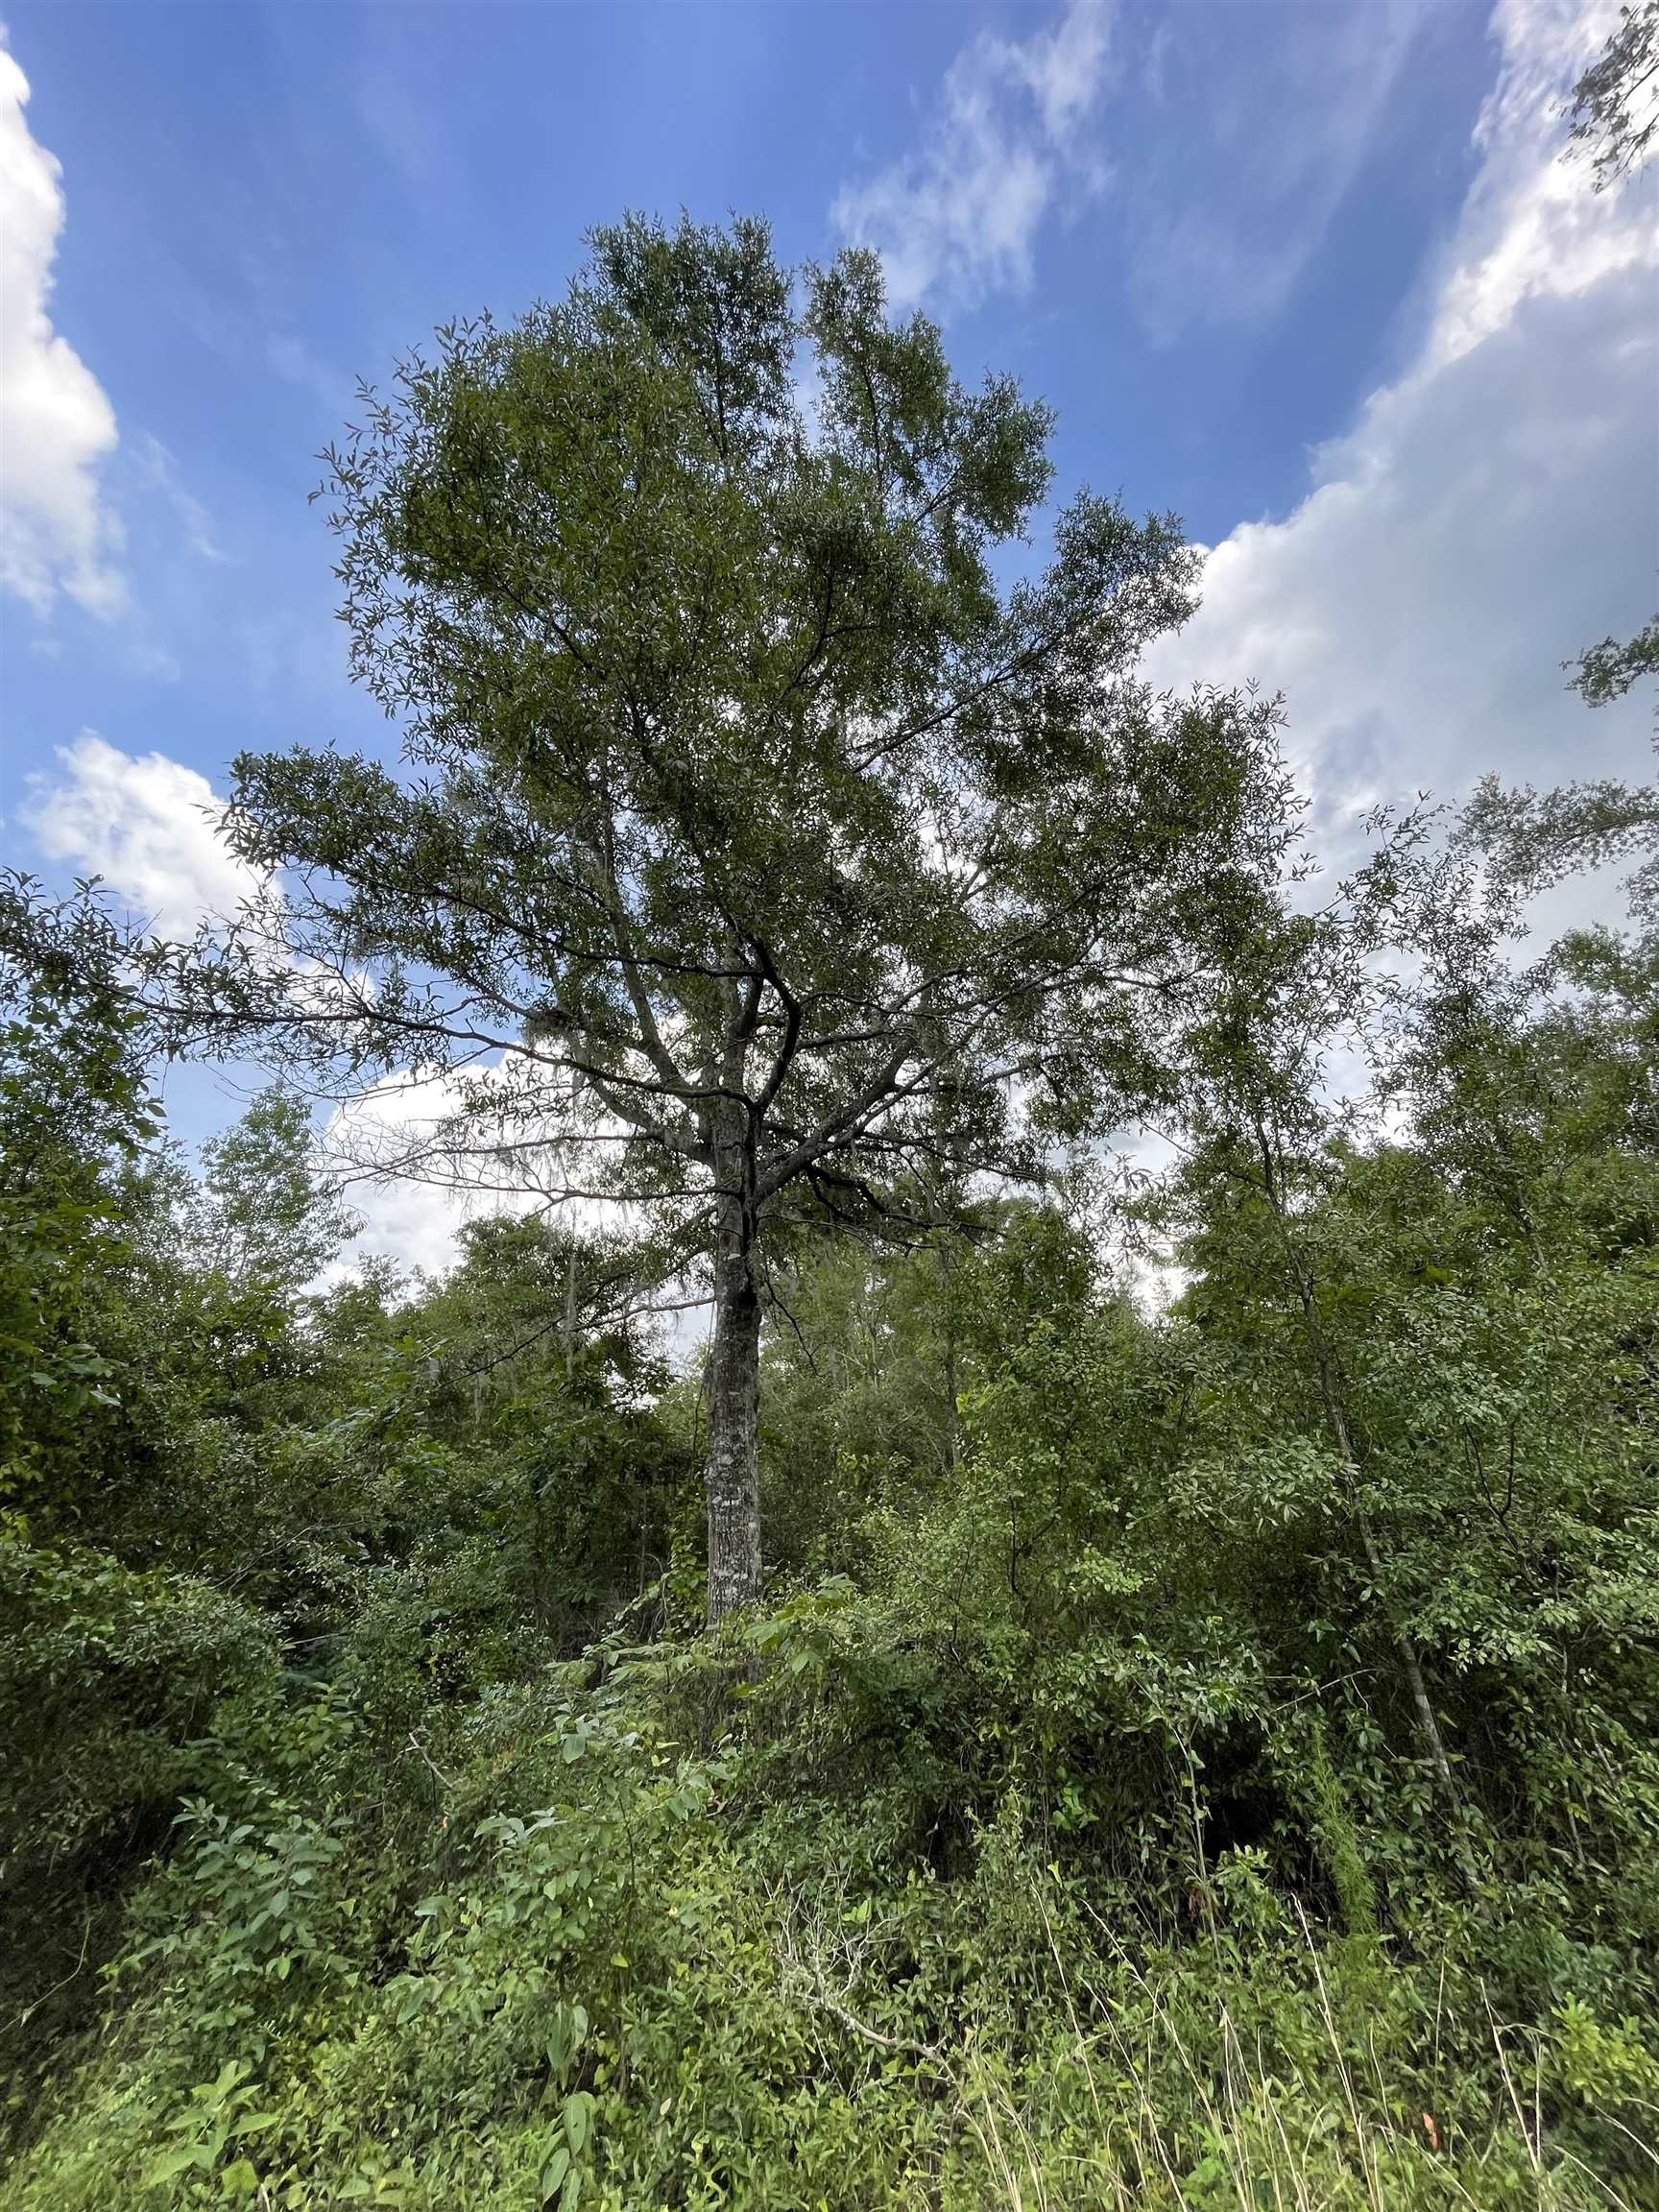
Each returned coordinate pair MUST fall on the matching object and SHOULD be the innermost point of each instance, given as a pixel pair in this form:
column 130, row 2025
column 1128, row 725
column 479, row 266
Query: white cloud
column 415, row 1222
column 1493, row 511
column 56, row 426
column 415, row 1228
column 387, row 1147
column 390, row 1145
column 959, row 216
column 148, row 825
column 1532, row 227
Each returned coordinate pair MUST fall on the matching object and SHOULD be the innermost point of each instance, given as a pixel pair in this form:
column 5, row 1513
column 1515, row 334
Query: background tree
column 1278, row 1093
column 871, row 1352
column 772, row 857
column 262, row 1220
column 76, row 1118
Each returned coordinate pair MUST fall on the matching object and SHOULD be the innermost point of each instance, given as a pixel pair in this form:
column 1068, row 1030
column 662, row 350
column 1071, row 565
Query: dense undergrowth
column 380, row 1826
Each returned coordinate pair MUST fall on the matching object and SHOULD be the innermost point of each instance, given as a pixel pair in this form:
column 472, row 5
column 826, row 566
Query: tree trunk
column 732, row 1477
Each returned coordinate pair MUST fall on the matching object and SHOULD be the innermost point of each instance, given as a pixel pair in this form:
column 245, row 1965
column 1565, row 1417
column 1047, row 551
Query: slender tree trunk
column 731, row 1475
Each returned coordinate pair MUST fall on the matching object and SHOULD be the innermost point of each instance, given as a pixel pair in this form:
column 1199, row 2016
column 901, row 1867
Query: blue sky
column 1314, row 274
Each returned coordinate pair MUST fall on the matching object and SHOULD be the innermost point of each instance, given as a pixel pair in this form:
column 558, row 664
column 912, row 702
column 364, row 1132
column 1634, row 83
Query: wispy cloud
column 1241, row 131
column 58, row 533
column 158, row 472
column 1260, row 138
column 1009, row 134
column 294, row 361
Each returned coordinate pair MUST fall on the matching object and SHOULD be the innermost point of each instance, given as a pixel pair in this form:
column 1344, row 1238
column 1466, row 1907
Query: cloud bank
column 151, row 829
column 1493, row 511
column 56, row 426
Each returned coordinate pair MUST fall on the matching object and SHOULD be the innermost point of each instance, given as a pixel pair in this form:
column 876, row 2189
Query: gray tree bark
column 732, row 1477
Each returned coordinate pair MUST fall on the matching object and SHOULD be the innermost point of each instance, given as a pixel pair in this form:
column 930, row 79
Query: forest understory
column 383, row 1825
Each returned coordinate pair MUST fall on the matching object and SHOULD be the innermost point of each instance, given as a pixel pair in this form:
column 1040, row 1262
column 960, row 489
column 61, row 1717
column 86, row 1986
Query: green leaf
column 172, row 2162
column 578, row 2113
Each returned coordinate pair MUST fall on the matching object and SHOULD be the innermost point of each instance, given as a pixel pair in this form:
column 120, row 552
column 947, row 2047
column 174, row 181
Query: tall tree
column 772, row 852
column 260, row 1219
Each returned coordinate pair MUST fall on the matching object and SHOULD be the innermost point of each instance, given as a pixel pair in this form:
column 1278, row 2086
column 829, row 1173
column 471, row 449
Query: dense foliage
column 1065, row 1829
